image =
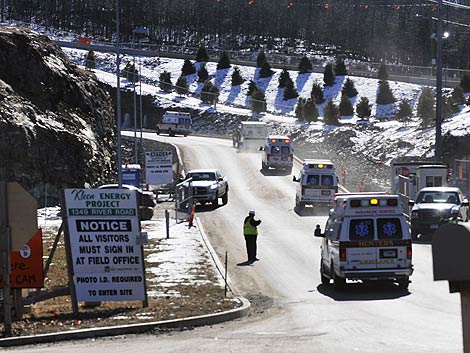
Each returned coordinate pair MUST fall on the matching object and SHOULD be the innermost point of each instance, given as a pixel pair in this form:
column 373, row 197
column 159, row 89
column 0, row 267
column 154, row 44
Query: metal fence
column 184, row 200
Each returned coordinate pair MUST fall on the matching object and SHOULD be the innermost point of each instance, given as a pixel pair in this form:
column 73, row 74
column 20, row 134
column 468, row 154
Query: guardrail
column 423, row 75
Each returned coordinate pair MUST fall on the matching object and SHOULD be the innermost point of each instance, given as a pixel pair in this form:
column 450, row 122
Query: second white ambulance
column 366, row 238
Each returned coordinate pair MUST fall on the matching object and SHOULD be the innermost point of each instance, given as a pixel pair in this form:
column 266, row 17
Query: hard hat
column 252, row 211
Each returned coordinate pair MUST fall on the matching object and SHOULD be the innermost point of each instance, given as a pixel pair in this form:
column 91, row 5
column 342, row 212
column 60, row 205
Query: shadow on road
column 356, row 291
column 310, row 211
column 274, row 172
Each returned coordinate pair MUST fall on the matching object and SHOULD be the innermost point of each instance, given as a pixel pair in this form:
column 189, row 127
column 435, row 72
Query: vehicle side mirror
column 411, row 203
column 465, row 203
column 221, row 179
column 318, row 232
column 261, row 148
column 294, row 179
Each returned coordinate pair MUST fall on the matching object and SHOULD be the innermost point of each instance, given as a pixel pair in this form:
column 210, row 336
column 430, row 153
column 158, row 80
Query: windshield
column 202, row 176
column 438, row 197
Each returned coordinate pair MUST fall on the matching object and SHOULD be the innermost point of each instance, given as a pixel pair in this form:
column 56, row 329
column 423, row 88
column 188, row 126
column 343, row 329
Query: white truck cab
column 278, row 153
column 366, row 238
column 317, row 184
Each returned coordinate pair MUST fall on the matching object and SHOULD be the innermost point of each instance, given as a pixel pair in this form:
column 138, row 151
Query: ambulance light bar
column 374, row 202
column 319, row 166
column 280, row 140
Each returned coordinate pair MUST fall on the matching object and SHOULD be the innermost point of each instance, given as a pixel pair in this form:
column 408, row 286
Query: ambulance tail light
column 409, row 250
column 392, row 202
column 342, row 253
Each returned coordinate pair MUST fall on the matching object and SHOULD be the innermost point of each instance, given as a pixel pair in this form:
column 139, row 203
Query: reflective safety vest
column 248, row 229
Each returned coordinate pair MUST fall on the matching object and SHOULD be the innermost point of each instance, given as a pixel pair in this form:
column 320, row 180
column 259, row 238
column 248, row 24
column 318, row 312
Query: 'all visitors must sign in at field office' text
column 103, row 226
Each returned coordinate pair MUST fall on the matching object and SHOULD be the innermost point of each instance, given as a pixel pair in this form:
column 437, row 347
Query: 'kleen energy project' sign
column 159, row 167
column 103, row 227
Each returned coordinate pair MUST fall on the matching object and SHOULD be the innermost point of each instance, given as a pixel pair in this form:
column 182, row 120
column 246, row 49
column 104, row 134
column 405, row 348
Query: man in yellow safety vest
column 250, row 231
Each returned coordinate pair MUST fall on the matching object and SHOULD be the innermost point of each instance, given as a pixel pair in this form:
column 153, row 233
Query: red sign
column 26, row 264
column 82, row 40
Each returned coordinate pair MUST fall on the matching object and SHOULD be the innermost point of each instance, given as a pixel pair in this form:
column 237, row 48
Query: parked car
column 145, row 199
column 433, row 207
column 208, row 185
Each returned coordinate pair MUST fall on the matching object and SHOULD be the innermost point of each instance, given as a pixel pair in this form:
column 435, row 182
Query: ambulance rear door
column 361, row 250
column 392, row 247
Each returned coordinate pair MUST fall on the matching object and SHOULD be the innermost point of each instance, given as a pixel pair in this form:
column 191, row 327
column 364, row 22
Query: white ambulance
column 317, row 184
column 278, row 153
column 366, row 238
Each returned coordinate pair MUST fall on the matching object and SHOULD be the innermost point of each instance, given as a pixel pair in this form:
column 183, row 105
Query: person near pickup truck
column 250, row 231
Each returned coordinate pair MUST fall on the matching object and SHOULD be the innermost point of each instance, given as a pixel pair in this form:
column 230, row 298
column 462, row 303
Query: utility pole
column 438, row 145
column 118, row 99
column 5, row 248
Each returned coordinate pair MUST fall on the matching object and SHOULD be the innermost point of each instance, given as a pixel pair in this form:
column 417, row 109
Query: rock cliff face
column 56, row 121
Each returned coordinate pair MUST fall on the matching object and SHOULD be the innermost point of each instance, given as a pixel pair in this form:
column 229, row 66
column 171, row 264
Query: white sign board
column 159, row 167
column 103, row 227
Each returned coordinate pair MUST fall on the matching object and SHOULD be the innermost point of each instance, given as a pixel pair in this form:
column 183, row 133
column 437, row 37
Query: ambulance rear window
column 389, row 228
column 327, row 180
column 275, row 150
column 285, row 150
column 361, row 229
column 313, row 179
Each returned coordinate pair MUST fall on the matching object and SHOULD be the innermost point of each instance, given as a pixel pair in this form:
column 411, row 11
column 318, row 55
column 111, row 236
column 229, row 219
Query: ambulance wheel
column 338, row 282
column 171, row 133
column 403, row 284
column 324, row 280
column 158, row 131
column 263, row 166
column 225, row 198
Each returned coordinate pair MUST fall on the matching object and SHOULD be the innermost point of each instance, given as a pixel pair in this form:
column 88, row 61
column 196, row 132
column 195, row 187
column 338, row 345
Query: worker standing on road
column 250, row 231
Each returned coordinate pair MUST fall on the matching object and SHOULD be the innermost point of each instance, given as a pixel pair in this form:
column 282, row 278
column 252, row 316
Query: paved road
column 305, row 316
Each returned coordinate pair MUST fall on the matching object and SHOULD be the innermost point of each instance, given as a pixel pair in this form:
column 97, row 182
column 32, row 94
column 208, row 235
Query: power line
column 452, row 4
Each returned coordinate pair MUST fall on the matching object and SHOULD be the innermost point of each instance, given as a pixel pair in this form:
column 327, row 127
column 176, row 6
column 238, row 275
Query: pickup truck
column 208, row 185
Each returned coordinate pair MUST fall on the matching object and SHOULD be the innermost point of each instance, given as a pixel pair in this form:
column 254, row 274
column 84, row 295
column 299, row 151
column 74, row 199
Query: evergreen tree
column 261, row 58
column 405, row 112
column 345, row 106
column 305, row 65
column 317, row 93
column 458, row 97
column 331, row 114
column 425, row 110
column 90, row 60
column 448, row 109
column 202, row 74
column 383, row 72
column 283, row 77
column 310, row 111
column 251, row 88
column 237, row 78
column 258, row 101
column 299, row 108
column 329, row 76
column 465, row 82
column 289, row 90
column 265, row 70
column 340, row 68
column 201, row 55
column 224, row 61
column 130, row 73
column 165, row 81
column 209, row 92
column 182, row 86
column 363, row 108
column 188, row 68
column 385, row 95
column 349, row 89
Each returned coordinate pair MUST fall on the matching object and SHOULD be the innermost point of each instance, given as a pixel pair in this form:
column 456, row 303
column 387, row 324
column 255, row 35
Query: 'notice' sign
column 159, row 167
column 103, row 228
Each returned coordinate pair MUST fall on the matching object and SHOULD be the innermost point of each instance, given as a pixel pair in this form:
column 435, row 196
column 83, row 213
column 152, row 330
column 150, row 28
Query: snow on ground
column 170, row 262
column 386, row 130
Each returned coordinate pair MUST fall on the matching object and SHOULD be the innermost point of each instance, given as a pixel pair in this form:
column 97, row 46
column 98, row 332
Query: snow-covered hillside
column 380, row 141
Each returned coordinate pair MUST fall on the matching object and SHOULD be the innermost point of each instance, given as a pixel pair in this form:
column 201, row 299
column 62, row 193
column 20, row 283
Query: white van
column 317, row 184
column 366, row 238
column 278, row 153
column 175, row 123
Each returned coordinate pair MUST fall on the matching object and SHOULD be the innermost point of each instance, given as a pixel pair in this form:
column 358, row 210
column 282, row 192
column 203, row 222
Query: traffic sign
column 22, row 215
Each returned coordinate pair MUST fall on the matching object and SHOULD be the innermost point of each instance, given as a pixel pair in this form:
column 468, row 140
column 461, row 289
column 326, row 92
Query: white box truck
column 250, row 135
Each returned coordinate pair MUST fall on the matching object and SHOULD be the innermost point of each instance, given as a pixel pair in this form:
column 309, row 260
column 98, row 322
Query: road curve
column 305, row 316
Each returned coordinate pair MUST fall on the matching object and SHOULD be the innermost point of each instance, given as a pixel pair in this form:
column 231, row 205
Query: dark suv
column 434, row 206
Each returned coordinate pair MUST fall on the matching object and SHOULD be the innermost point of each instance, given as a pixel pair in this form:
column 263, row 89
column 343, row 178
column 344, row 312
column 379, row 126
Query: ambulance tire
column 338, row 282
column 263, row 167
column 403, row 284
column 158, row 131
column 324, row 279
